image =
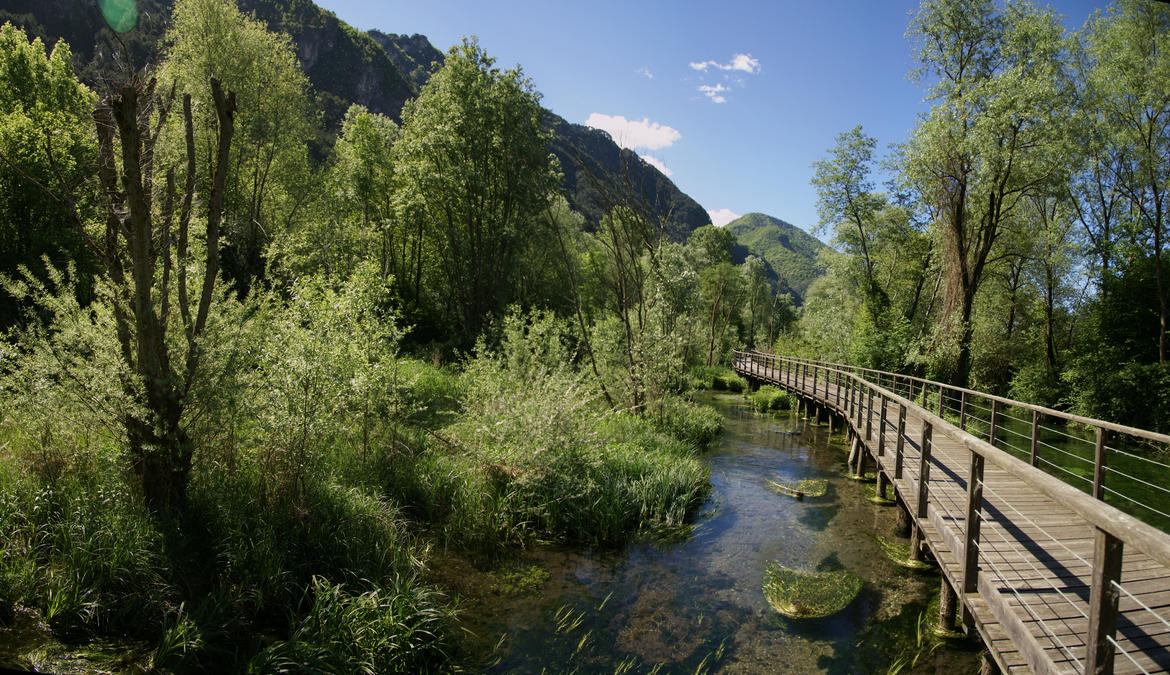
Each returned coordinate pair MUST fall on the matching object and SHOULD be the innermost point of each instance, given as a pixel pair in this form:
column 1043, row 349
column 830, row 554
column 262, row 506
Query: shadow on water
column 696, row 604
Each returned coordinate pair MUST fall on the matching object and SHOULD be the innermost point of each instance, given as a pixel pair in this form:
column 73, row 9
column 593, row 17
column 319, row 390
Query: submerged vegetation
column 806, row 487
column 809, row 595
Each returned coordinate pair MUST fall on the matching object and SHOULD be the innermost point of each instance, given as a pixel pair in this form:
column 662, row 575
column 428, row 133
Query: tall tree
column 992, row 137
column 473, row 170
column 1129, row 51
column 846, row 201
column 269, row 170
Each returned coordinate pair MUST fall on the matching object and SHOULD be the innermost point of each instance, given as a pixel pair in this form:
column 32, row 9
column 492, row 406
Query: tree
column 845, row 198
column 269, row 170
column 473, row 171
column 994, row 135
column 40, row 95
column 1129, row 51
column 146, row 256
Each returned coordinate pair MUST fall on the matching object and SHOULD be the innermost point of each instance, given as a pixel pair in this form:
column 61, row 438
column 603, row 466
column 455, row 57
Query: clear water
column 696, row 605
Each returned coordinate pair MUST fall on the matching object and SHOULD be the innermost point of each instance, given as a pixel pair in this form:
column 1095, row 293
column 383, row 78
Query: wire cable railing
column 902, row 421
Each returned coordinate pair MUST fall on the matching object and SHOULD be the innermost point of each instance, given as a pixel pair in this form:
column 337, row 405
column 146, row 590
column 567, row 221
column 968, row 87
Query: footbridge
column 1047, row 527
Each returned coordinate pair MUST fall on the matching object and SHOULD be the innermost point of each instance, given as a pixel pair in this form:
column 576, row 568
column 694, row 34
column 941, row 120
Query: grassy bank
column 328, row 470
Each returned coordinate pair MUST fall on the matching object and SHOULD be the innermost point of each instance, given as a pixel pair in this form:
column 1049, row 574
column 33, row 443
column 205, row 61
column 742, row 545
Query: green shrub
column 770, row 398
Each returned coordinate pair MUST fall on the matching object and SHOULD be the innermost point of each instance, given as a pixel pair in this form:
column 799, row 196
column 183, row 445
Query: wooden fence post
column 1103, row 597
column 1033, row 457
column 1099, row 465
column 974, row 518
column 940, row 400
column 881, row 449
column 869, row 415
column 900, row 446
column 994, row 421
column 963, row 411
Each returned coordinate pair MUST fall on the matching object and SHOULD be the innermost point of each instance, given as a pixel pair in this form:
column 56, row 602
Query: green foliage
column 770, row 398
column 267, row 186
column 809, row 595
column 685, row 420
column 473, row 173
column 394, row 630
column 38, row 93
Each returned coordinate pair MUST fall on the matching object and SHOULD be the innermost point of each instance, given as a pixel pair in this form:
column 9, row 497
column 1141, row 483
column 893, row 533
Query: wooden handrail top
column 1142, row 536
column 1049, row 412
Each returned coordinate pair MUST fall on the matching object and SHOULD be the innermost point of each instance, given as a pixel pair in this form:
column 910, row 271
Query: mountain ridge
column 376, row 69
column 790, row 251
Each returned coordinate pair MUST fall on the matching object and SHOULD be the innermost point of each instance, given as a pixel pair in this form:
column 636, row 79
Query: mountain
column 378, row 70
column 789, row 250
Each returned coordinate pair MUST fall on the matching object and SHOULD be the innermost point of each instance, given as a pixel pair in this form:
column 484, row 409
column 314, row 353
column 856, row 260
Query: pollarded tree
column 473, row 171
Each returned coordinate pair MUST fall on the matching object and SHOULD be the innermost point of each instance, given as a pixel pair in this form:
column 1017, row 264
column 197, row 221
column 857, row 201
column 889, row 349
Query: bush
column 770, row 398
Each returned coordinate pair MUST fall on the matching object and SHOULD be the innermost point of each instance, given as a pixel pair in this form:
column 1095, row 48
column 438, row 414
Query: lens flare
column 121, row 15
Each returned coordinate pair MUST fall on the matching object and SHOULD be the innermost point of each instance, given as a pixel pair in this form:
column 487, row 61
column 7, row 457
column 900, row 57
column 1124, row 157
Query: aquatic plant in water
column 899, row 554
column 806, row 487
column 809, row 595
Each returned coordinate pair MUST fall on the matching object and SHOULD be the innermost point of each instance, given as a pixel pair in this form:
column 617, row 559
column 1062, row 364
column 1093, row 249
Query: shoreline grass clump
column 809, row 595
column 805, row 487
column 769, row 398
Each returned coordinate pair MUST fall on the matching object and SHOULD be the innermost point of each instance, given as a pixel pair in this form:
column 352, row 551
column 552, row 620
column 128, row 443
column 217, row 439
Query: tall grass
column 327, row 465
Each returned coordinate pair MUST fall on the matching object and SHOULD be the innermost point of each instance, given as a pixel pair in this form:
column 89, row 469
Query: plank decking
column 1037, row 555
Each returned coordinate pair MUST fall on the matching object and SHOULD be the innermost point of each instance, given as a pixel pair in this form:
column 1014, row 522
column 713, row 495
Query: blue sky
column 734, row 99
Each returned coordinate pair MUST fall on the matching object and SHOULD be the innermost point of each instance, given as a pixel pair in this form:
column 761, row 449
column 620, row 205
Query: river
column 695, row 604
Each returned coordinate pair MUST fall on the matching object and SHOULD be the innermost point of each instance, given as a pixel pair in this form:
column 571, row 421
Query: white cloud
column 645, row 72
column 634, row 134
column 741, row 62
column 657, row 164
column 715, row 93
column 722, row 217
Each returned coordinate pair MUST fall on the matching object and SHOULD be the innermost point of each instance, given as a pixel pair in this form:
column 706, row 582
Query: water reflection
column 697, row 604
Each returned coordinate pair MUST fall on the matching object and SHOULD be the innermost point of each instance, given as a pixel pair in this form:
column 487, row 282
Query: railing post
column 881, row 450
column 924, row 467
column 963, row 411
column 1099, row 466
column 994, row 421
column 910, row 383
column 974, row 518
column 940, row 400
column 1103, row 597
column 837, row 387
column 869, row 415
column 901, row 445
column 923, row 482
column 1033, row 457
column 816, row 371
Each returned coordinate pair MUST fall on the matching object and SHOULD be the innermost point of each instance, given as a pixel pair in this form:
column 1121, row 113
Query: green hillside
column 789, row 250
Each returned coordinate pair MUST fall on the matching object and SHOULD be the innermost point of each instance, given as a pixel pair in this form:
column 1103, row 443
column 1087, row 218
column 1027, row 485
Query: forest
column 260, row 377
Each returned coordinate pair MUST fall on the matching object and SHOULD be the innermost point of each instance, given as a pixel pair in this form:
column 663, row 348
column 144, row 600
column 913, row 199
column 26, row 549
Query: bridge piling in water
column 1050, row 576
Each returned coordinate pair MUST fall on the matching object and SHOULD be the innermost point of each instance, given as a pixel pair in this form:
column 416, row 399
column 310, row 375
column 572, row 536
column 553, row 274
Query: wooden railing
column 978, row 425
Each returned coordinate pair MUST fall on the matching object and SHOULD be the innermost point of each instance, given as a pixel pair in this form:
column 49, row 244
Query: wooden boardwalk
column 1053, row 579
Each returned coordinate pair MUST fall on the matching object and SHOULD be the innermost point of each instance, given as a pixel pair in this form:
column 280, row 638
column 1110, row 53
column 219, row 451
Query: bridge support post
column 817, row 418
column 989, row 666
column 1103, row 598
column 947, row 601
column 882, row 484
